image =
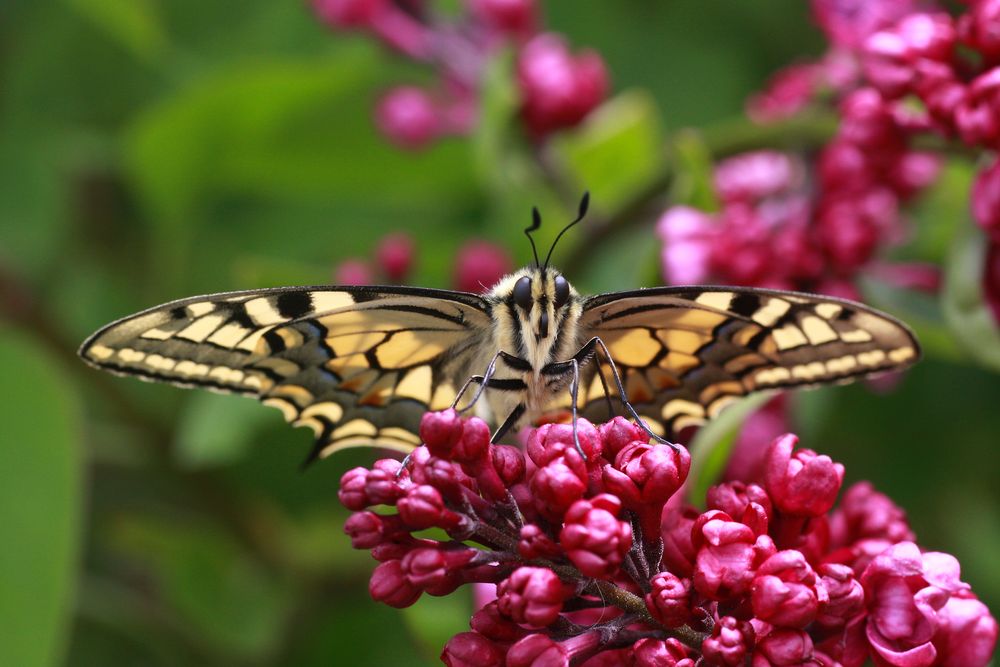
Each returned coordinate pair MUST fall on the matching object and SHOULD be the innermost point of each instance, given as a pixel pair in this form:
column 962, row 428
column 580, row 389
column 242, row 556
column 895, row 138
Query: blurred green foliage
column 152, row 149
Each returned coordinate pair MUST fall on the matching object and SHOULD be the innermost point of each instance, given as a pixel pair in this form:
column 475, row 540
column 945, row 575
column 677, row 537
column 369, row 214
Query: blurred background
column 155, row 149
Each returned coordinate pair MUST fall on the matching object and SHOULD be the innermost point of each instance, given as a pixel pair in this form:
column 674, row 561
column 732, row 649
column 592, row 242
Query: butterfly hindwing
column 359, row 365
column 685, row 353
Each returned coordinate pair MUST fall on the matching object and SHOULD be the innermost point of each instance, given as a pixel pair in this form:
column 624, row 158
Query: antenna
column 536, row 222
column 581, row 212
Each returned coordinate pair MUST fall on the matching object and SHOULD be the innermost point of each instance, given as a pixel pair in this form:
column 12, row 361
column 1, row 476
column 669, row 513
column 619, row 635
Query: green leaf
column 713, row 443
column 218, row 591
column 216, row 429
column 435, row 620
column 694, row 180
column 617, row 152
column 135, row 24
column 40, row 503
column 969, row 318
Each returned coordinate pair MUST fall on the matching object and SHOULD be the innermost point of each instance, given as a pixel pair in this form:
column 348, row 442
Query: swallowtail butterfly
column 360, row 365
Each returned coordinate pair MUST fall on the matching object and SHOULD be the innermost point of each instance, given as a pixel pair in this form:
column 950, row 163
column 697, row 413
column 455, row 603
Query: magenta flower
column 731, row 641
column 408, row 117
column 471, row 649
column 575, row 589
column 558, row 89
column 669, row 601
column 593, row 537
column 986, row 199
column 785, row 591
column 802, row 483
column 849, row 22
column 480, row 265
column 728, row 554
column 533, row 596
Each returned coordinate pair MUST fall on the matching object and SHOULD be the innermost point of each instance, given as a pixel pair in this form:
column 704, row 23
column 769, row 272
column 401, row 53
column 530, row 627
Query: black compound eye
column 522, row 293
column 562, row 291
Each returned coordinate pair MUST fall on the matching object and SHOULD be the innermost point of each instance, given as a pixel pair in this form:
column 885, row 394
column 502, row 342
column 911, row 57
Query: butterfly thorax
column 536, row 314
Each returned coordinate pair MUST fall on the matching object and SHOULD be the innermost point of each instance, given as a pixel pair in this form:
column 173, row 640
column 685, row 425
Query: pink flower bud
column 904, row 591
column 536, row 543
column 845, row 598
column 782, row 647
column 728, row 554
column 471, row 649
column 619, row 432
column 558, row 89
column 729, row 643
column 436, row 570
column 864, row 513
column 803, row 483
column 490, row 623
column 784, row 592
column 849, row 22
column 353, row 272
column 755, row 175
column 516, row 17
column 978, row 28
column 441, row 431
column 383, row 484
column 537, row 650
column 593, row 538
column 556, row 486
column 474, row 445
column 367, row 529
column 423, row 507
column 509, row 464
column 889, row 55
column 661, row 653
column 669, row 601
column 688, row 238
column 986, row 199
column 736, row 498
column 532, row 596
column 976, row 116
column 394, row 255
column 408, row 117
column 479, row 265
column 556, row 440
column 676, row 529
column 966, row 633
column 389, row 585
column 352, row 490
column 349, row 13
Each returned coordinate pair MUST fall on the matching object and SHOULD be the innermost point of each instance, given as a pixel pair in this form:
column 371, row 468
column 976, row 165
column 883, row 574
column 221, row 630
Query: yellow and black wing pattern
column 684, row 353
column 358, row 365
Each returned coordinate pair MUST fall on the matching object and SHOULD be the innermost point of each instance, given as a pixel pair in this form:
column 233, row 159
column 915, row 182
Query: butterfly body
column 360, row 365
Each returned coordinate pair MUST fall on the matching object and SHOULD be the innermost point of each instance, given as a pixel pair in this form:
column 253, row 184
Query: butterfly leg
column 589, row 350
column 570, row 367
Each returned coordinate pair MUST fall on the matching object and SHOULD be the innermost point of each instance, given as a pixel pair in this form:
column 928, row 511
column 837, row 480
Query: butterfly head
column 540, row 304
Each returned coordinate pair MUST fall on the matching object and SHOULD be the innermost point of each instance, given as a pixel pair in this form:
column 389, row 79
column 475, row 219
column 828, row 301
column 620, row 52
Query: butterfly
column 360, row 365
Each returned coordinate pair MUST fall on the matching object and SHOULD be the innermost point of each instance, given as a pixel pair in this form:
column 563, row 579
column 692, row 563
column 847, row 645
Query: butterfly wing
column 358, row 365
column 684, row 353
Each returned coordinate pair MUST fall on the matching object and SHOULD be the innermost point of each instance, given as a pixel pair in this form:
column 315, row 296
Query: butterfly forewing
column 358, row 365
column 685, row 353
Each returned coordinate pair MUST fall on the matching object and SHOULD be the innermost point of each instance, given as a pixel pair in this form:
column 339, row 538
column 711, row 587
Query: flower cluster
column 925, row 71
column 789, row 225
column 557, row 88
column 597, row 561
column 478, row 265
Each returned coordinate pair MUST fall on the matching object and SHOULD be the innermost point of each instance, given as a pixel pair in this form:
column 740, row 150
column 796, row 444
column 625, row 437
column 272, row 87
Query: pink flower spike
column 593, row 538
column 688, row 235
column 729, row 643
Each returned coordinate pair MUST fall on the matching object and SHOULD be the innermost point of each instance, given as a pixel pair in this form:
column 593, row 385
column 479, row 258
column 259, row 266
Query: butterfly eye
column 562, row 291
column 522, row 293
